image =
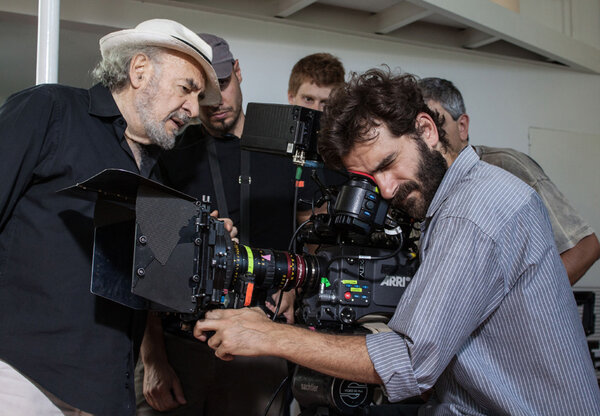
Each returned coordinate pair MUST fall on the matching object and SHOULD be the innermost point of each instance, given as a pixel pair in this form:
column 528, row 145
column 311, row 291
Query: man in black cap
column 185, row 378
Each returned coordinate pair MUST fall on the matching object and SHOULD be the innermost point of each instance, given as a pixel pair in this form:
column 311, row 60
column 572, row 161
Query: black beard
column 222, row 126
column 432, row 168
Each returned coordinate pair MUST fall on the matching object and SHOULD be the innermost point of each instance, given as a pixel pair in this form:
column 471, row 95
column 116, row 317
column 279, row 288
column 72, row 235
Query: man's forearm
column 581, row 257
column 335, row 355
column 153, row 343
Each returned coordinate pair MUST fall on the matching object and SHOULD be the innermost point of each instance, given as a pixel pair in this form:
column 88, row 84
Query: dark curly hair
column 323, row 69
column 367, row 100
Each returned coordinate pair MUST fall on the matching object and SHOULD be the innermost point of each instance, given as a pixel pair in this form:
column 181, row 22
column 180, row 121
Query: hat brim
column 212, row 94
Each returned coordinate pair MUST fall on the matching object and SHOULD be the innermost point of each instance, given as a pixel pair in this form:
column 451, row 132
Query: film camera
column 158, row 249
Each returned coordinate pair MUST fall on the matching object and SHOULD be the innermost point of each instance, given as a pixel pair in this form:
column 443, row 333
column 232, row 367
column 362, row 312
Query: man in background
column 185, row 378
column 575, row 239
column 312, row 79
column 64, row 349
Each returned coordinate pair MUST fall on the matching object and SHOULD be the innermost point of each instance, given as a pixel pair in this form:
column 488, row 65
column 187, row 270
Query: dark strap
column 217, row 180
column 245, row 180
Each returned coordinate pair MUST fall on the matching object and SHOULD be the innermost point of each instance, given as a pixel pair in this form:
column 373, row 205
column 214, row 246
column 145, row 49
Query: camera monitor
column 288, row 130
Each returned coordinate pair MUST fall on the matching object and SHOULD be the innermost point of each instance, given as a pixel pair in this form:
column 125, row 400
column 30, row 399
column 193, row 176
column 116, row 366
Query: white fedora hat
column 172, row 35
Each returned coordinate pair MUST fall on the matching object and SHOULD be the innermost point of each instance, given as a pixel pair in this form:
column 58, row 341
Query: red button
column 348, row 295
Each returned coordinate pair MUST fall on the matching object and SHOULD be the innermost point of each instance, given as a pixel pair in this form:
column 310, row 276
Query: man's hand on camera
column 246, row 332
column 233, row 231
column 249, row 332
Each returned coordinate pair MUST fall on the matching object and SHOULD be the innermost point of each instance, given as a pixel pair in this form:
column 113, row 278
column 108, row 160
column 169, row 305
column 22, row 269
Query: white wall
column 504, row 98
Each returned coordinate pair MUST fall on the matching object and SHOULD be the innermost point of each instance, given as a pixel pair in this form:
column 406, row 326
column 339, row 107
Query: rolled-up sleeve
column 390, row 356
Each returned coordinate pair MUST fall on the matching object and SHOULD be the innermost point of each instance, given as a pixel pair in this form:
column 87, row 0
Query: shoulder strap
column 245, row 180
column 217, row 180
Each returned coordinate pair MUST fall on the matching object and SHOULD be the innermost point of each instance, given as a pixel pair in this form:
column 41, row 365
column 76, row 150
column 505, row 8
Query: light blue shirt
column 489, row 320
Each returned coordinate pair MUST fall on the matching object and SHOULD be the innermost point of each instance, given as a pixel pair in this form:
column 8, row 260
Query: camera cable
column 274, row 396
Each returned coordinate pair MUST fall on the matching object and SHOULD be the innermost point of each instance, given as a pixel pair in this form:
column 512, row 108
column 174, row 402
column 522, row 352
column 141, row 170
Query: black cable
column 293, row 239
column 360, row 257
column 277, row 307
column 275, row 395
column 278, row 304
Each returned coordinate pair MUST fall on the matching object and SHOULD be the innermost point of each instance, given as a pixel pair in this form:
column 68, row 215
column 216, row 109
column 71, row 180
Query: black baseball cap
column 222, row 59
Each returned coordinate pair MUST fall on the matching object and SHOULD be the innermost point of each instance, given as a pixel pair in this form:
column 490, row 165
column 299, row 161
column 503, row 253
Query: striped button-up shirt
column 489, row 320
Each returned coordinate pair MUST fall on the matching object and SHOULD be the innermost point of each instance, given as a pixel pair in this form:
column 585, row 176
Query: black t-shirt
column 272, row 184
column 79, row 346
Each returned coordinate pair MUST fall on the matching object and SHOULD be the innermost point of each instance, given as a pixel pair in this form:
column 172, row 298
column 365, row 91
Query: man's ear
column 426, row 126
column 463, row 127
column 291, row 97
column 139, row 70
column 237, row 71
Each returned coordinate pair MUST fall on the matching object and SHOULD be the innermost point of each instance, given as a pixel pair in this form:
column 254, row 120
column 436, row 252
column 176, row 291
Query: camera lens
column 273, row 269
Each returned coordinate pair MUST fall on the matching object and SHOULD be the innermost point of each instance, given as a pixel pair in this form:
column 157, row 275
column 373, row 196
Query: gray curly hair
column 445, row 93
column 113, row 70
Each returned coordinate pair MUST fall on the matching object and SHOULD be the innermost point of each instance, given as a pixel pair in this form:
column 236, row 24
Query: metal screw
column 196, row 278
column 141, row 272
column 143, row 239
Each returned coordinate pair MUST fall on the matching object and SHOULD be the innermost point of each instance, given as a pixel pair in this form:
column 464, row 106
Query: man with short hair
column 488, row 320
column 575, row 239
column 312, row 79
column 181, row 375
column 64, row 349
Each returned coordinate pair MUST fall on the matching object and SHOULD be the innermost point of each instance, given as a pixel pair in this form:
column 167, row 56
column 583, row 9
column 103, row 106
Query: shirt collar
column 463, row 164
column 102, row 103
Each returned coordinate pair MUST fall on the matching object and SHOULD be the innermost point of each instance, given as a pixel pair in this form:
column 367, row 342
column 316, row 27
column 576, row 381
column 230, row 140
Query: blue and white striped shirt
column 489, row 319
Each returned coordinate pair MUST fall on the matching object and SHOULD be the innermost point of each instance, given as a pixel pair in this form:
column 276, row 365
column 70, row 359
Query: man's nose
column 192, row 107
column 387, row 187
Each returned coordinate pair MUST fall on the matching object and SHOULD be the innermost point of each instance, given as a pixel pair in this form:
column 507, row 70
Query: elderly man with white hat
column 65, row 350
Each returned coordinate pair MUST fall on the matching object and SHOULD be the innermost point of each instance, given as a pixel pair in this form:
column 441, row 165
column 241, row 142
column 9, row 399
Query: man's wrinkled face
column 169, row 101
column 223, row 118
column 310, row 95
column 405, row 169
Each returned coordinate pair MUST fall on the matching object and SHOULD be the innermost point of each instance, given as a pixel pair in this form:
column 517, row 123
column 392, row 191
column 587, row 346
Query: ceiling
column 478, row 25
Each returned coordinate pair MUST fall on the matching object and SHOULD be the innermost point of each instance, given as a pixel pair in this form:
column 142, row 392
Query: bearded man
column 65, row 350
column 488, row 322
